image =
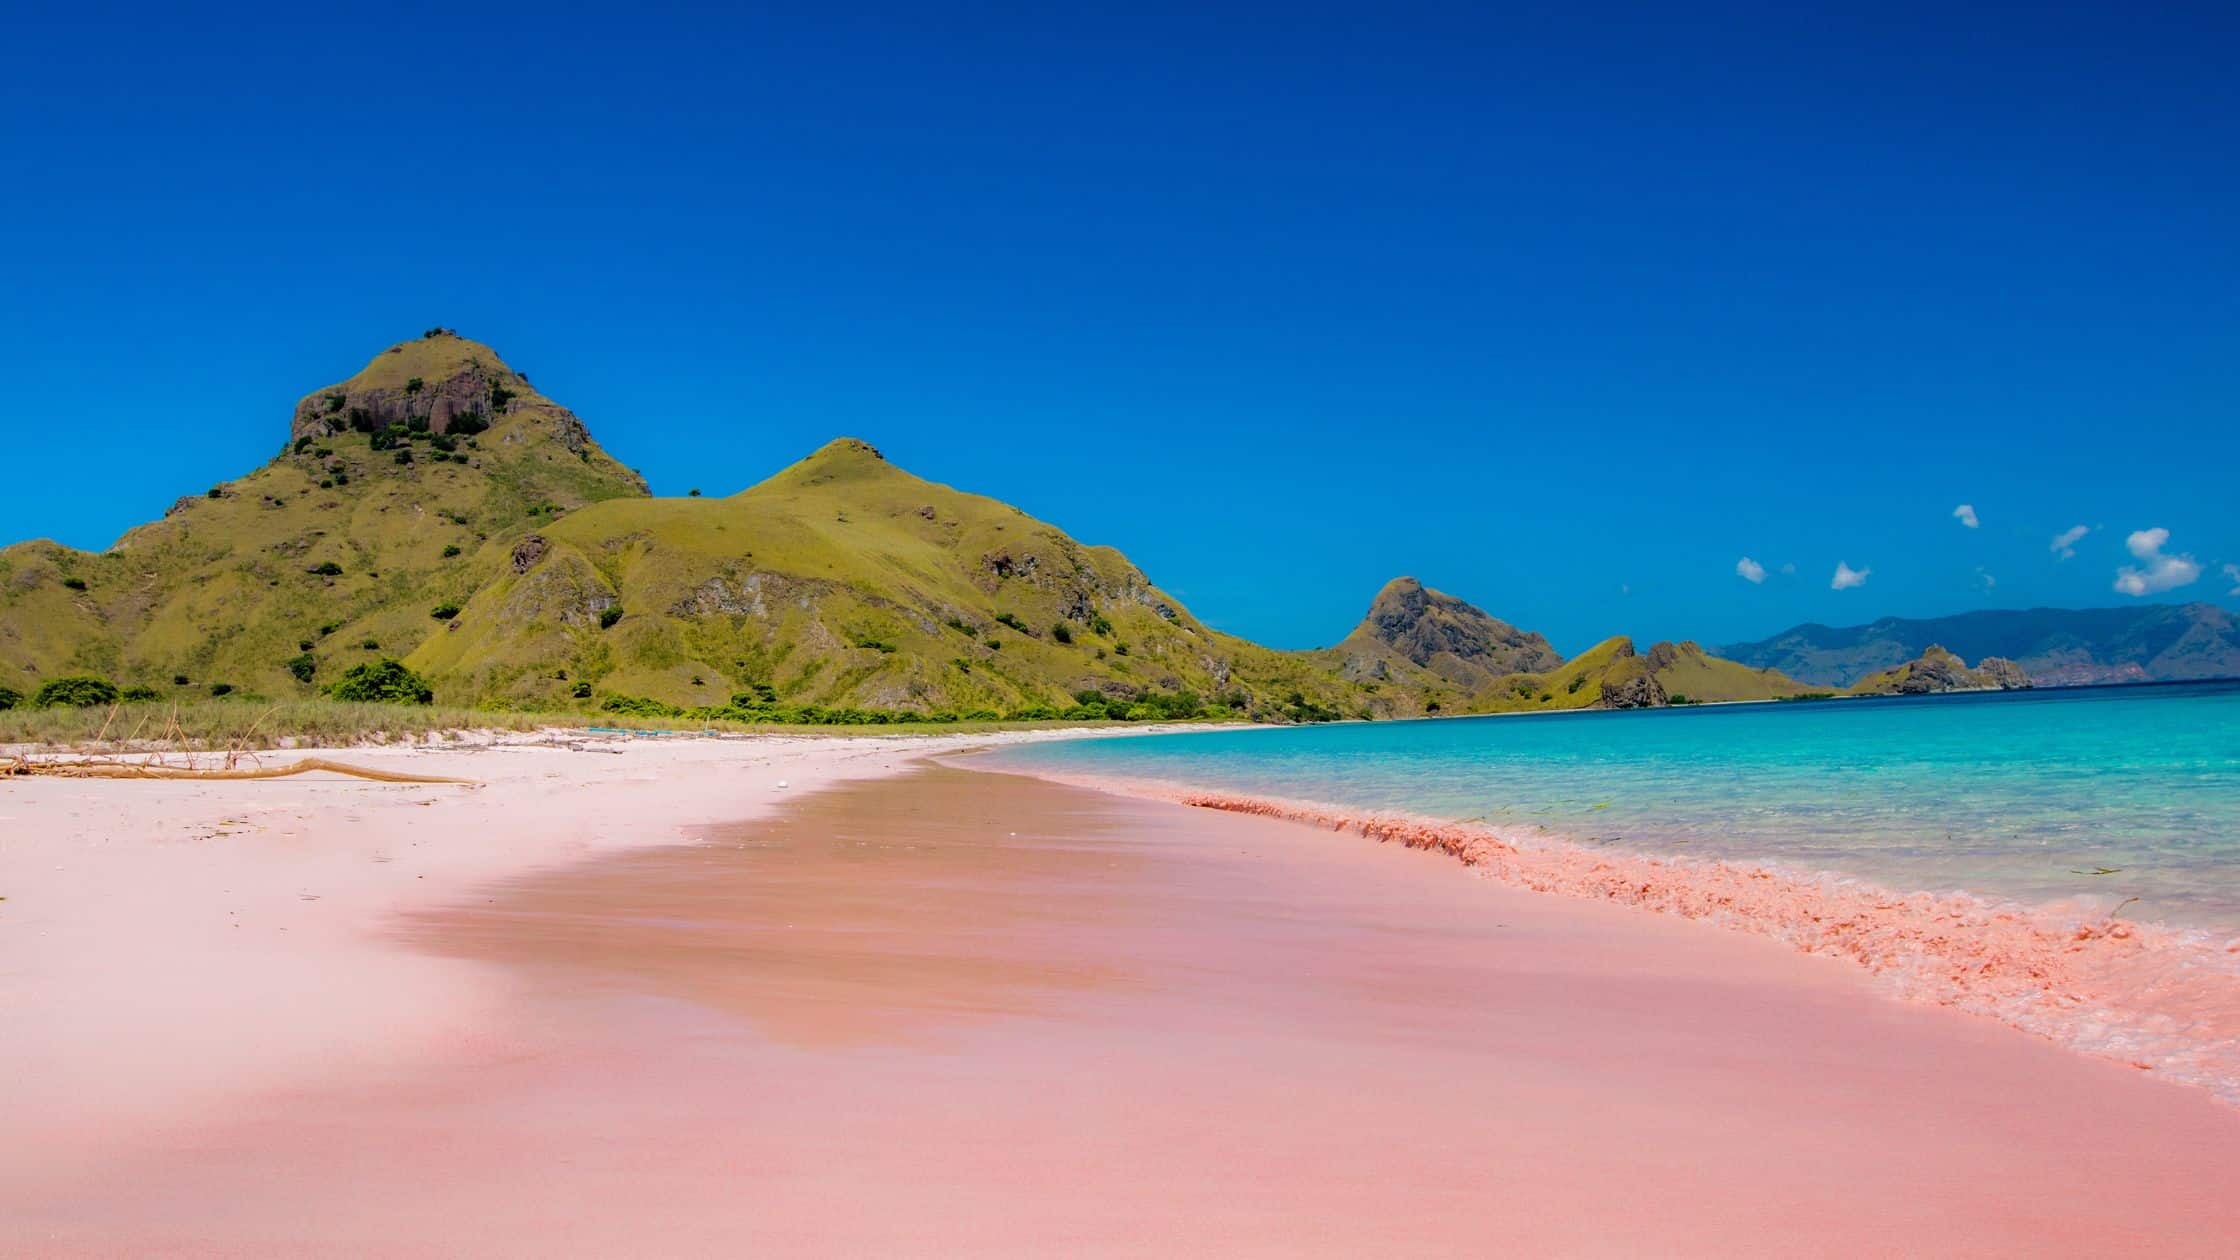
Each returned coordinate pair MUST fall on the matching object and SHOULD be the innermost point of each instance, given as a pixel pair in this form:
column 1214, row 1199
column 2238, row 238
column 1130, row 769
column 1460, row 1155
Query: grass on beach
column 223, row 725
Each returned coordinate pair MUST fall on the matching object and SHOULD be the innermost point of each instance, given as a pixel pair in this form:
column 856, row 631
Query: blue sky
column 1566, row 311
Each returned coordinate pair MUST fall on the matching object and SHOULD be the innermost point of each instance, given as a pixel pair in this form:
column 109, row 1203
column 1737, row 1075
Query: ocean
column 2066, row 861
column 2119, row 795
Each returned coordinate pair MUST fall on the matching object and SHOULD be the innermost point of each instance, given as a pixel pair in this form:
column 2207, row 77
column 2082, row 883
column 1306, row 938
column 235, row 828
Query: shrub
column 78, row 691
column 326, row 568
column 466, row 423
column 329, row 628
column 334, row 403
column 637, row 706
column 303, row 645
column 342, row 479
column 303, row 443
column 1120, row 649
column 609, row 615
column 1012, row 621
column 581, row 691
column 995, row 645
column 322, row 452
column 444, row 611
column 499, row 397
column 693, row 493
column 443, row 442
column 876, row 645
column 74, row 583
column 415, row 424
column 221, row 689
column 303, row 666
column 959, row 625
column 179, row 680
column 755, row 694
column 326, row 483
column 9, row 698
column 385, row 681
column 404, row 455
column 371, row 645
column 361, row 420
column 450, row 550
column 415, row 385
column 1062, row 632
column 217, row 492
column 1100, row 624
column 139, row 693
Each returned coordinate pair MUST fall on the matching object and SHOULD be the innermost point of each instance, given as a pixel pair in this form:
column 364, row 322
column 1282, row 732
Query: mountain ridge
column 2052, row 646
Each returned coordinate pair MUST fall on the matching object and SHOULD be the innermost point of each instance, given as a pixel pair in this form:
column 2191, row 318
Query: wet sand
column 960, row 1013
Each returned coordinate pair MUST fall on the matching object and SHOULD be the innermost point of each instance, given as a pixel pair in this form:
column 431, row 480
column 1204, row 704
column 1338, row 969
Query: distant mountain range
column 437, row 509
column 2053, row 646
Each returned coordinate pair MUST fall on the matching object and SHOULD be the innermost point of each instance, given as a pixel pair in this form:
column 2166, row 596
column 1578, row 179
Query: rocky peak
column 1421, row 624
column 443, row 383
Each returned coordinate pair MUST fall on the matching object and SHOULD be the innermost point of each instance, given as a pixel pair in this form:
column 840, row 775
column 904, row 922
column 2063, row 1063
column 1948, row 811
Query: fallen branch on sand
column 107, row 769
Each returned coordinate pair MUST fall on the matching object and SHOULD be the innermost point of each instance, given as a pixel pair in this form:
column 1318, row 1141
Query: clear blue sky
column 1563, row 310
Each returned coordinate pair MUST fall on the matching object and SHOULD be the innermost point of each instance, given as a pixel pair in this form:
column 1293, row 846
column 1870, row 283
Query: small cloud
column 1790, row 569
column 2155, row 571
column 1749, row 570
column 1985, row 580
column 1847, row 577
column 2065, row 542
column 1965, row 514
column 2233, row 571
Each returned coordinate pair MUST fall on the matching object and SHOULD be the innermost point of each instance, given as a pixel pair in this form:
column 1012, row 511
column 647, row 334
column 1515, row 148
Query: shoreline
column 171, row 942
column 2161, row 999
column 927, row 1011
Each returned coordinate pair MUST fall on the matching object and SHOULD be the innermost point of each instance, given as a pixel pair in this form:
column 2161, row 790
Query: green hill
column 1613, row 675
column 436, row 508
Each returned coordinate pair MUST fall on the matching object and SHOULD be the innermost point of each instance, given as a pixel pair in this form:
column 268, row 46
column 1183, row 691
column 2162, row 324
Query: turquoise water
column 2023, row 795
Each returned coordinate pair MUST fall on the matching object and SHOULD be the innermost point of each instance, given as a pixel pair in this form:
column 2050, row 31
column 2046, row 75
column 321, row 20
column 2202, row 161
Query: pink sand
column 951, row 1013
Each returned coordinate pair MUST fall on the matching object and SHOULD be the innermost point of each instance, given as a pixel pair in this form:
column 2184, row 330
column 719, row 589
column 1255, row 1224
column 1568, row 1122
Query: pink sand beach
column 645, row 1000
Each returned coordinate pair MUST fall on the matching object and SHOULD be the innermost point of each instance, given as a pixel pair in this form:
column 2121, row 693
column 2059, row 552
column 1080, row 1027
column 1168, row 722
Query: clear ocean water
column 2039, row 796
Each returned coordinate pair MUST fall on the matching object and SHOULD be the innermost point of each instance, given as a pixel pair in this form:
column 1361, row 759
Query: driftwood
column 105, row 769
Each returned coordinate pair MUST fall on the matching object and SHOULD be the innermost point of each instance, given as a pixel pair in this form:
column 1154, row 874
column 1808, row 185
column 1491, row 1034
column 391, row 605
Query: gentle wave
column 2160, row 999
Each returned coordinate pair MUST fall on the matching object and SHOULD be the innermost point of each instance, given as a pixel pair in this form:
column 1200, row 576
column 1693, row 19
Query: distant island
column 437, row 528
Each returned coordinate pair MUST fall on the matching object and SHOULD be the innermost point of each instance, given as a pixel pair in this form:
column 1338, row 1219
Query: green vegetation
column 303, row 666
column 450, row 550
column 76, row 691
column 609, row 615
column 74, row 583
column 327, row 568
column 218, row 690
column 385, row 681
column 1061, row 632
column 9, row 698
column 444, row 611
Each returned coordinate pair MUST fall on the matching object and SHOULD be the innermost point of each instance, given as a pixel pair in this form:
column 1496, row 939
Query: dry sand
column 940, row 1012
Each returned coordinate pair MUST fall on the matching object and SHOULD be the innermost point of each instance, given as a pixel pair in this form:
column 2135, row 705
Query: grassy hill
column 842, row 580
column 1614, row 675
column 436, row 508
column 339, row 541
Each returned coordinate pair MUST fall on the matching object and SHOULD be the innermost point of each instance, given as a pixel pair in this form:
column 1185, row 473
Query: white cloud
column 1965, row 514
column 2155, row 571
column 1790, row 569
column 1749, row 570
column 1984, row 578
column 2233, row 571
column 1847, row 577
column 2065, row 542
